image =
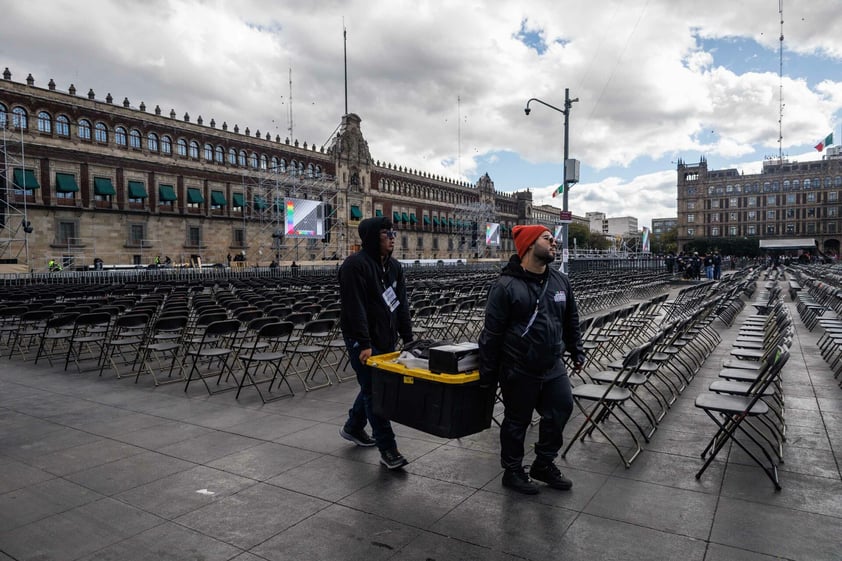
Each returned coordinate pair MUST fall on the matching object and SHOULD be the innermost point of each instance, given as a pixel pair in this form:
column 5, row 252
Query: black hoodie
column 509, row 342
column 363, row 278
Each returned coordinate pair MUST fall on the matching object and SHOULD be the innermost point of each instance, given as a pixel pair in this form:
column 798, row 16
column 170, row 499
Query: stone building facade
column 85, row 177
column 786, row 200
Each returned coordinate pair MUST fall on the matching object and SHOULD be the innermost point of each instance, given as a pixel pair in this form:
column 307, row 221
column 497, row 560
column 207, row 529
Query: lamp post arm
column 544, row 103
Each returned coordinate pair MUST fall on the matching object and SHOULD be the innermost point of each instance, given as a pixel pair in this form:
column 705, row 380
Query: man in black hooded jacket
column 531, row 319
column 375, row 311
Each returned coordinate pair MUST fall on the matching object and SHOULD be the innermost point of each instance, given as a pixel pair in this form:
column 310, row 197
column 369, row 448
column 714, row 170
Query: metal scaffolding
column 14, row 225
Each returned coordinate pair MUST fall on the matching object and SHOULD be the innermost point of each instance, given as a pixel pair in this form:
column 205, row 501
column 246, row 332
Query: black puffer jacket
column 363, row 279
column 508, row 343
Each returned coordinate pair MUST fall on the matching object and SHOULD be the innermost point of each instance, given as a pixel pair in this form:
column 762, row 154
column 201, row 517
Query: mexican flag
column 828, row 140
column 559, row 191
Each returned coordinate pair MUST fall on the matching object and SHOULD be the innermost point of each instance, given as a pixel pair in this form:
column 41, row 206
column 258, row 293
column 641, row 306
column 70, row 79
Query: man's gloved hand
column 487, row 379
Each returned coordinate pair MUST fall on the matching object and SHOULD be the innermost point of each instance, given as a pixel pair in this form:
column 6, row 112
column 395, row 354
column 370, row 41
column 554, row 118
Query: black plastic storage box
column 445, row 405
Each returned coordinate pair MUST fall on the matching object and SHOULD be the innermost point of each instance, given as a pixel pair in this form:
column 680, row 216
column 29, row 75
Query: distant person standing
column 375, row 310
column 717, row 266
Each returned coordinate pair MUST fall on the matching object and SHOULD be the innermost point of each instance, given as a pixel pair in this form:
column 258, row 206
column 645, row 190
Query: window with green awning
column 378, row 212
column 25, row 179
column 218, row 198
column 166, row 193
column 426, row 220
column 260, row 203
column 356, row 213
column 435, row 221
column 194, row 196
column 396, row 217
column 413, row 219
column 450, row 222
column 66, row 183
column 404, row 218
column 137, row 190
column 238, row 200
column 103, row 187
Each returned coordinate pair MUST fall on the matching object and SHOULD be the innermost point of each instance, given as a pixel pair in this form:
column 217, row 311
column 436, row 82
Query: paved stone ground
column 99, row 468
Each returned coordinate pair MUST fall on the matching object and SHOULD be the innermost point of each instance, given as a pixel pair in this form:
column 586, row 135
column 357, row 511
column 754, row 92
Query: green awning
column 25, row 179
column 450, row 222
column 435, row 221
column 459, row 224
column 356, row 213
column 137, row 190
column 238, row 199
column 166, row 193
column 396, row 217
column 194, row 196
column 378, row 212
column 66, row 183
column 412, row 219
column 279, row 205
column 103, row 186
column 260, row 203
column 404, row 218
column 426, row 220
column 218, row 198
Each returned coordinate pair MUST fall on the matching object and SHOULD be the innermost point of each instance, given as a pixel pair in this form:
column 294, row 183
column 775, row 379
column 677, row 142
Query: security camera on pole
column 571, row 171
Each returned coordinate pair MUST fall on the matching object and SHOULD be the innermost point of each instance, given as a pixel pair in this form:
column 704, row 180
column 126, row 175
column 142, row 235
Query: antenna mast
column 459, row 135
column 781, row 86
column 292, row 139
column 345, row 57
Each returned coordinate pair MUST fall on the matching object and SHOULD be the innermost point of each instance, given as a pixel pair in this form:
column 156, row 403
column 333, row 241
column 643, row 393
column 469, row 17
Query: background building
column 85, row 177
column 785, row 201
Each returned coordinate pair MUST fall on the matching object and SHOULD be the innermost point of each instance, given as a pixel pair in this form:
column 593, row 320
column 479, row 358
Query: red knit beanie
column 525, row 236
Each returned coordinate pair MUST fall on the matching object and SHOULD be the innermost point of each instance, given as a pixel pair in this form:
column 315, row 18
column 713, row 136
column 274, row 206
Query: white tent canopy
column 788, row 243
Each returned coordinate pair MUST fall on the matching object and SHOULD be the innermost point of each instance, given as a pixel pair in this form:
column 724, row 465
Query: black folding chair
column 732, row 414
column 265, row 356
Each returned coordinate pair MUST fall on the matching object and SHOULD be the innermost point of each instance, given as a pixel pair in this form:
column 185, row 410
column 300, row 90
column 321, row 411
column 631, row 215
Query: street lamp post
column 568, row 103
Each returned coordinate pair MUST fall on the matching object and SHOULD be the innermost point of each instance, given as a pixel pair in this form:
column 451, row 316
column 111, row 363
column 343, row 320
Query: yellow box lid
column 387, row 362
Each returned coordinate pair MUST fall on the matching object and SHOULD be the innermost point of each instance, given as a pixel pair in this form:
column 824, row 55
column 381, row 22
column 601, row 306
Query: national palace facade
column 86, row 177
column 785, row 201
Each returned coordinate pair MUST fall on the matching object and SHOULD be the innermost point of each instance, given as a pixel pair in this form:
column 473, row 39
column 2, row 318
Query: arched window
column 19, row 118
column 232, row 156
column 120, row 136
column 807, row 183
column 152, row 142
column 300, row 168
column 264, row 162
column 134, row 139
column 318, row 171
column 242, row 158
column 166, row 145
column 220, row 155
column 45, row 122
column 194, row 149
column 282, row 166
column 101, row 133
column 310, row 171
column 62, row 125
column 84, row 129
column 3, row 112
column 182, row 147
column 293, row 168
column 253, row 160
column 208, row 153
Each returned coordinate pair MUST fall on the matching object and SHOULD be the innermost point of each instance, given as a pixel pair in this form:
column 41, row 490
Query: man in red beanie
column 530, row 320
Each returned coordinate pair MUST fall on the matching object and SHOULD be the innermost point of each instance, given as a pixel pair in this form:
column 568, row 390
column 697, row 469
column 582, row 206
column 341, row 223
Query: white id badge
column 391, row 299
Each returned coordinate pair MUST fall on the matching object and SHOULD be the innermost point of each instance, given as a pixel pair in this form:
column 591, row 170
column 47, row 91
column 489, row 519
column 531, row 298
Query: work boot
column 548, row 473
column 358, row 437
column 392, row 459
column 517, row 480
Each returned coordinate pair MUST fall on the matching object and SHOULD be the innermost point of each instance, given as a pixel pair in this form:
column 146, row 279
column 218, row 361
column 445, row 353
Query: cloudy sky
column 441, row 86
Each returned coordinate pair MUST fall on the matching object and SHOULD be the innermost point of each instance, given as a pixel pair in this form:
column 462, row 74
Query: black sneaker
column 550, row 474
column 360, row 437
column 517, row 480
column 392, row 459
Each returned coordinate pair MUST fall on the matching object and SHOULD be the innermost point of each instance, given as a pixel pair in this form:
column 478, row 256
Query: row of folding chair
column 636, row 390
column 747, row 403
